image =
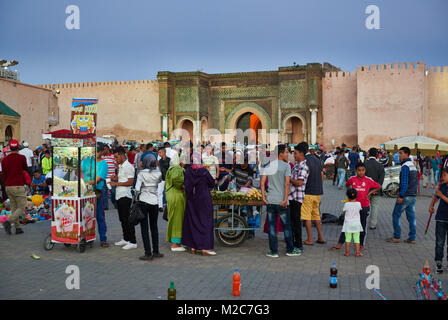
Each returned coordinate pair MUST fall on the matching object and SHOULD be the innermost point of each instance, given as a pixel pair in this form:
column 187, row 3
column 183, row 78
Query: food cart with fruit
column 231, row 229
column 73, row 201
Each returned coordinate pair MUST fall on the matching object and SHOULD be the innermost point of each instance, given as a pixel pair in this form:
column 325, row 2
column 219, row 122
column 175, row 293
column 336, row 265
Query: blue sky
column 133, row 39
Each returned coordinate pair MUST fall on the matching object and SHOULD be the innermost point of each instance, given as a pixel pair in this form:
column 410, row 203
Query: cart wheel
column 231, row 238
column 67, row 245
column 48, row 245
column 392, row 190
column 91, row 244
column 82, row 246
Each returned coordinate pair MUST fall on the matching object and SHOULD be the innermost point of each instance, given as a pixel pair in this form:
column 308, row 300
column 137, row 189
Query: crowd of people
column 177, row 181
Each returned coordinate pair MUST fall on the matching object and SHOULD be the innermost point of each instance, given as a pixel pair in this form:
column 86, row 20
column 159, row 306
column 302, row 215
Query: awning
column 425, row 145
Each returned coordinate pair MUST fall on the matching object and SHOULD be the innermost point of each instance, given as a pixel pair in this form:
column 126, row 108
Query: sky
column 133, row 39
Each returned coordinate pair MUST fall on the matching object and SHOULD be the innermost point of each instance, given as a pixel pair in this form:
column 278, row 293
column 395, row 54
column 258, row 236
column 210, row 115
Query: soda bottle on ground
column 172, row 291
column 236, row 283
column 333, row 276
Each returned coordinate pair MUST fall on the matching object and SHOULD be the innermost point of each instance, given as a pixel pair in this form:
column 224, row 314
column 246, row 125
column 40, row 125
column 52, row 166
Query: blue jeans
column 436, row 174
column 407, row 205
column 441, row 236
column 112, row 197
column 341, row 176
column 107, row 196
column 273, row 211
column 100, row 217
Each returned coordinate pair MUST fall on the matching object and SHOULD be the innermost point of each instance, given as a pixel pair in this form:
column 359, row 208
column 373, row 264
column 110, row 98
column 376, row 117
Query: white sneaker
column 178, row 249
column 130, row 246
column 121, row 243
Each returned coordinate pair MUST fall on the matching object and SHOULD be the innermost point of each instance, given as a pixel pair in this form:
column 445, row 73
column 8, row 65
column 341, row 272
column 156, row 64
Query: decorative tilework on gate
column 186, row 99
column 293, row 94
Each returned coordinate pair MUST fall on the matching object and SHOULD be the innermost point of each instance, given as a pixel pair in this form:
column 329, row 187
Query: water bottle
column 236, row 283
column 333, row 276
column 232, row 185
column 172, row 291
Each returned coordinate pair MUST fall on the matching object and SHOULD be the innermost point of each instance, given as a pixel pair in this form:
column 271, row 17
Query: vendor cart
column 231, row 229
column 73, row 201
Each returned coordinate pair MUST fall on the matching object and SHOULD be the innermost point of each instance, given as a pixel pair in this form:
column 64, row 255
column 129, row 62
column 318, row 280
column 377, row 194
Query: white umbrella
column 426, row 146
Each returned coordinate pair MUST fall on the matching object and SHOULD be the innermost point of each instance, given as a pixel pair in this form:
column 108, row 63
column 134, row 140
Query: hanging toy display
column 427, row 284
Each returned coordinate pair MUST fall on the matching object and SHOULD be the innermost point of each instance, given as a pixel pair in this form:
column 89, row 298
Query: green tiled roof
column 4, row 109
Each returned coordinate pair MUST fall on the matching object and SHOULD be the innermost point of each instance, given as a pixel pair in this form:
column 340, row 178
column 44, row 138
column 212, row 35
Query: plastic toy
column 37, row 200
column 427, row 282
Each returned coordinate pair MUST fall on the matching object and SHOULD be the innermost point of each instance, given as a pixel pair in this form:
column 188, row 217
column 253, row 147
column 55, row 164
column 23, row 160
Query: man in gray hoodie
column 375, row 171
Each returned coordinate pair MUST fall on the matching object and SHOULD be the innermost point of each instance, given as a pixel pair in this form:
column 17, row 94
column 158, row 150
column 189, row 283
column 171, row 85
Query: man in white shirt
column 29, row 157
column 169, row 151
column 123, row 195
column 211, row 162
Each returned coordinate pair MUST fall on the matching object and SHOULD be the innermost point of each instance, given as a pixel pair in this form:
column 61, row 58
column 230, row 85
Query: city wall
column 127, row 109
column 339, row 94
column 37, row 107
column 436, row 121
column 379, row 103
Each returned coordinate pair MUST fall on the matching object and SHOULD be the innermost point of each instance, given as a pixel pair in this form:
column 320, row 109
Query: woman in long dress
column 197, row 231
column 176, row 200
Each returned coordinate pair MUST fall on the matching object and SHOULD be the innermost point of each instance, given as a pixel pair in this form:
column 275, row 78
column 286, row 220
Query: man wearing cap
column 13, row 166
column 28, row 153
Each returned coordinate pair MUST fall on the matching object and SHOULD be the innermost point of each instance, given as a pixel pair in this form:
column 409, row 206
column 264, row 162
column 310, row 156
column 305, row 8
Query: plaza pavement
column 113, row 273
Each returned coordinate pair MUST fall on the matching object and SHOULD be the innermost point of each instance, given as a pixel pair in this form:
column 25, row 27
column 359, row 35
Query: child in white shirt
column 352, row 222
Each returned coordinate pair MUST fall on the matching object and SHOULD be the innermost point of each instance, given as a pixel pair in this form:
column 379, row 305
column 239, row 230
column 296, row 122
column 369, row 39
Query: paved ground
column 113, row 273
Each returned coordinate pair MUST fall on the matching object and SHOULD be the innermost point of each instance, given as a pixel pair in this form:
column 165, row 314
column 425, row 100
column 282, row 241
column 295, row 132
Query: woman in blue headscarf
column 148, row 180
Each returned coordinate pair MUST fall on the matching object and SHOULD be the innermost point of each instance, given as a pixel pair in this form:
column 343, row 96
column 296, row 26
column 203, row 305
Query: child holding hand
column 352, row 222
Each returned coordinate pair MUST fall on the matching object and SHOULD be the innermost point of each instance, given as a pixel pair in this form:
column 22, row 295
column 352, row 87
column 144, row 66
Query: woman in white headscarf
column 147, row 181
column 176, row 200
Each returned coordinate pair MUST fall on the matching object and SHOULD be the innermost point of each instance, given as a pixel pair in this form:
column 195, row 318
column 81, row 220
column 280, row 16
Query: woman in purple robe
column 198, row 227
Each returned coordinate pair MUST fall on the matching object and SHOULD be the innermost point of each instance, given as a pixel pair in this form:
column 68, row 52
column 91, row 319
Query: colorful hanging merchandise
column 427, row 284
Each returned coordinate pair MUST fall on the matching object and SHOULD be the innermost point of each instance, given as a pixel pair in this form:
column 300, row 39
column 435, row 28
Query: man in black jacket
column 375, row 171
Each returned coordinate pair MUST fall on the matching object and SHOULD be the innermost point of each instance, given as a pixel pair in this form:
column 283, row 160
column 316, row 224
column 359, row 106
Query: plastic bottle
column 426, row 268
column 236, row 283
column 251, row 222
column 257, row 220
column 172, row 291
column 333, row 276
column 232, row 186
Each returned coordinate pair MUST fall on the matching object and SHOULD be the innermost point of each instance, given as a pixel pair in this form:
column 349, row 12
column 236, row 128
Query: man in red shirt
column 111, row 165
column 13, row 167
column 365, row 187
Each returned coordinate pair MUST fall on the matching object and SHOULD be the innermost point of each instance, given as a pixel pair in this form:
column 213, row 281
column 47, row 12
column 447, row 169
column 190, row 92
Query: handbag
column 136, row 214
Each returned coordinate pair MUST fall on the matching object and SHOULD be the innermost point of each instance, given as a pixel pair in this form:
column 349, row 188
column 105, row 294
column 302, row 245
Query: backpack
column 329, row 218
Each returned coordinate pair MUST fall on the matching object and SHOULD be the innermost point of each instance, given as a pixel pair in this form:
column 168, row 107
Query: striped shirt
column 111, row 164
column 299, row 172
